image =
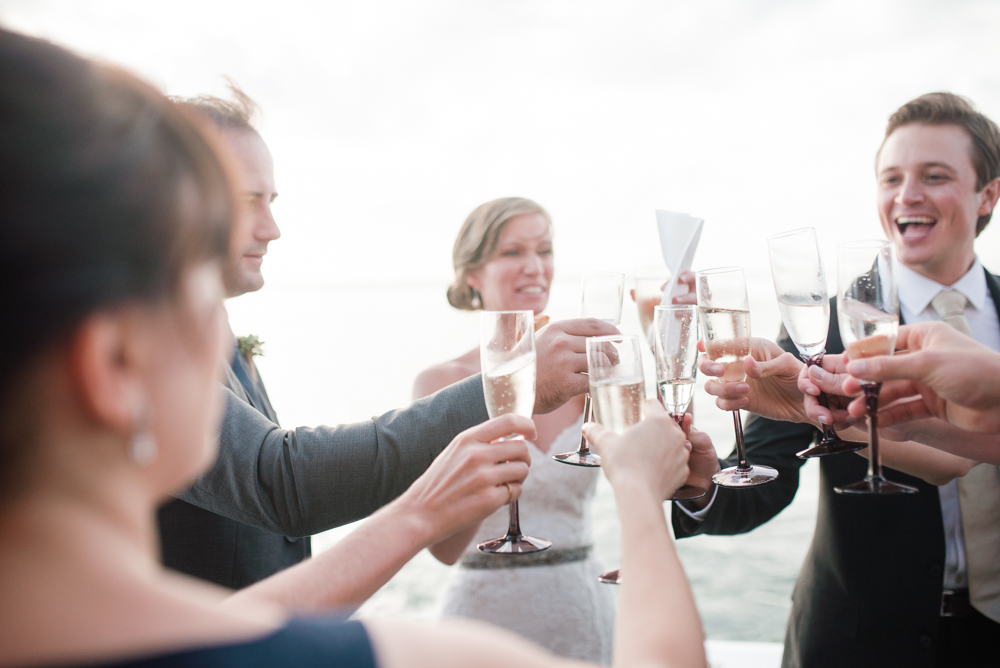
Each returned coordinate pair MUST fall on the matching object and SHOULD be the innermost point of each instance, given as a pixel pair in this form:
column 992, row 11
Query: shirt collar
column 916, row 291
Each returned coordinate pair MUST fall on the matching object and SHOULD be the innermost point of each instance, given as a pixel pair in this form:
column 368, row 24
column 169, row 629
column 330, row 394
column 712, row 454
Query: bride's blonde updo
column 477, row 244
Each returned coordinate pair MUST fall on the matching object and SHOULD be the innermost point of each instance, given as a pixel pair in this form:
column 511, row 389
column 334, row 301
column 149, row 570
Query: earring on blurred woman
column 476, row 301
column 142, row 443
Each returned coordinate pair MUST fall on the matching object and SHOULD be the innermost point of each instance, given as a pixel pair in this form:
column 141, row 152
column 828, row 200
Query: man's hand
column 770, row 389
column 703, row 461
column 652, row 454
column 561, row 349
column 470, row 479
column 828, row 378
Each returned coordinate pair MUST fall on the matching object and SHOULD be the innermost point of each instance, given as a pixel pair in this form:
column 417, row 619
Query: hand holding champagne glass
column 675, row 346
column 800, row 284
column 868, row 314
column 507, row 353
column 725, row 318
column 601, row 298
column 617, row 387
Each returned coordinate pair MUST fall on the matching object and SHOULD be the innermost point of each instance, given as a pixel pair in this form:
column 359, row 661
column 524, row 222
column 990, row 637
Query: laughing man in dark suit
column 886, row 580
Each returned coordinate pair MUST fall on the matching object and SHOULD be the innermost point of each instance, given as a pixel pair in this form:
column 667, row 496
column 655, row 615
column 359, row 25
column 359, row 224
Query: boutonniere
column 249, row 346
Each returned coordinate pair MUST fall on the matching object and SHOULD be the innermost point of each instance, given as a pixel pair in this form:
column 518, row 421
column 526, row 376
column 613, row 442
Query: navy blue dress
column 329, row 642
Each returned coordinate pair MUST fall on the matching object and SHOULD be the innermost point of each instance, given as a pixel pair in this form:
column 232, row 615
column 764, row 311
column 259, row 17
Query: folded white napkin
column 679, row 236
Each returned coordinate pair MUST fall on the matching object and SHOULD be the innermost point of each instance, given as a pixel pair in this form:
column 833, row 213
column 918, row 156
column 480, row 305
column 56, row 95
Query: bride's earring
column 476, row 302
column 142, row 443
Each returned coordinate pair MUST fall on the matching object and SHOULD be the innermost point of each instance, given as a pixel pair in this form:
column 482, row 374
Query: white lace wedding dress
column 562, row 606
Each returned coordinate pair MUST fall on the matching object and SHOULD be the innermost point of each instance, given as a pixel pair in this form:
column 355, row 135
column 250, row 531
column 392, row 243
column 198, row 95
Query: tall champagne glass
column 649, row 279
column 868, row 313
column 507, row 353
column 675, row 346
column 725, row 321
column 601, row 298
column 618, row 388
column 800, row 284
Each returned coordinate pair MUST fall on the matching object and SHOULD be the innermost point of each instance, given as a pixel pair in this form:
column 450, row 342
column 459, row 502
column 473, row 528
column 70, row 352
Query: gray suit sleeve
column 298, row 482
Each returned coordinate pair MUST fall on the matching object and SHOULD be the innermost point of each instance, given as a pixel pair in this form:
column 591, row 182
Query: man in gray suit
column 251, row 514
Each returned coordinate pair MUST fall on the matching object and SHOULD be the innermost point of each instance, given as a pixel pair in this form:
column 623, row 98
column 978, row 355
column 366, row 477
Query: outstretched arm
column 466, row 483
column 298, row 482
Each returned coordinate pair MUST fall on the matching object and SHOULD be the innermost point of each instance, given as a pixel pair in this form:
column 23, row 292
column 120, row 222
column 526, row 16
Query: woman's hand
column 771, row 389
column 936, row 377
column 471, row 478
column 652, row 454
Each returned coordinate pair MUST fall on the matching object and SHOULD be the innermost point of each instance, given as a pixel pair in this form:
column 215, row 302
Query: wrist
column 413, row 524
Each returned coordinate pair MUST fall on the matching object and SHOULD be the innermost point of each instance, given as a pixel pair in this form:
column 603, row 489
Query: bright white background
column 390, row 121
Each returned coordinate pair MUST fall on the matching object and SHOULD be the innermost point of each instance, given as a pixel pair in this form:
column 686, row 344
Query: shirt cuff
column 700, row 515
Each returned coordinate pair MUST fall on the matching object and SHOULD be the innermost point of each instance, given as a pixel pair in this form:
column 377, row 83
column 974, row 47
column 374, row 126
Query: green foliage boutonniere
column 249, row 346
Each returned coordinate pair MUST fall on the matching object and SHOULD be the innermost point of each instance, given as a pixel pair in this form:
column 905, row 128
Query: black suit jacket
column 869, row 593
column 212, row 547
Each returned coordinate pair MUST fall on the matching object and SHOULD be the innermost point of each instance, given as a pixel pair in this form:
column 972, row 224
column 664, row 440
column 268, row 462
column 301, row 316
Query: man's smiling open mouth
column 915, row 227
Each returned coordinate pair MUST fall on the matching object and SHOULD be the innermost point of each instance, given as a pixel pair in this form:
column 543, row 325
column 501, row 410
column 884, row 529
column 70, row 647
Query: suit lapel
column 993, row 285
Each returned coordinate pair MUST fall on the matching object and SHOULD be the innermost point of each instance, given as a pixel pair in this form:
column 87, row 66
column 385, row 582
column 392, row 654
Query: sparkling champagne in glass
column 800, row 284
column 618, row 389
column 601, row 298
column 507, row 353
column 725, row 319
column 675, row 347
column 868, row 315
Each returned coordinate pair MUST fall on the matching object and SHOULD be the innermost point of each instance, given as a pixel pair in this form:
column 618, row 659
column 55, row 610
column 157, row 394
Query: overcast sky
column 390, row 121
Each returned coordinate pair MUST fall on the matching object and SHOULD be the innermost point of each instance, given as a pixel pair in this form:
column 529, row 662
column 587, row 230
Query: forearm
column 948, row 438
column 303, row 481
column 450, row 549
column 922, row 461
column 658, row 623
column 347, row 574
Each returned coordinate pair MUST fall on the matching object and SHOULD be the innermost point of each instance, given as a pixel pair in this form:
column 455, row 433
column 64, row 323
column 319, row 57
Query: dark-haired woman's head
column 115, row 214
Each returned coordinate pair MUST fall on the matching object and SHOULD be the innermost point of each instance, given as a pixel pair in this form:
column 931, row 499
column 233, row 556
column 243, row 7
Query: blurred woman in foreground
column 116, row 215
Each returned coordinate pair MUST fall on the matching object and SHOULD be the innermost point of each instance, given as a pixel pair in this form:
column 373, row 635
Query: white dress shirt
column 915, row 294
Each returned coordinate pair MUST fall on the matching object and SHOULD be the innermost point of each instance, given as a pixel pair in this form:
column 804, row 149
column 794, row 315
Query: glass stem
column 587, row 417
column 828, row 431
column 514, row 526
column 741, row 452
column 874, row 456
column 678, row 418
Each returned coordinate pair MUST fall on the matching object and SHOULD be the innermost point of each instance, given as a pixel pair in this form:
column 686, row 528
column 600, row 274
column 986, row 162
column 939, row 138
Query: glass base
column 687, row 492
column 611, row 577
column 831, row 446
column 514, row 545
column 875, row 486
column 749, row 477
column 577, row 458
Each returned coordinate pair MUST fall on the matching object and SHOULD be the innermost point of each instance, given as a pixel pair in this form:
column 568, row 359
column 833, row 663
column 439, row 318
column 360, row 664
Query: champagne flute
column 868, row 313
column 675, row 346
column 601, row 298
column 725, row 319
column 800, row 284
column 618, row 388
column 507, row 353
column 649, row 280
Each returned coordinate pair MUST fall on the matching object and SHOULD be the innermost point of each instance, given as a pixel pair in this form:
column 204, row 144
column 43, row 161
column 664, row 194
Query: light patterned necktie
column 978, row 496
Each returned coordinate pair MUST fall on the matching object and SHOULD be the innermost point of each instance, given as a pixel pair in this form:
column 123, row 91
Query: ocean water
column 336, row 354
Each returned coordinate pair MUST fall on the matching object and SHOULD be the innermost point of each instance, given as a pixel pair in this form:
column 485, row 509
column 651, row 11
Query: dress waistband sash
column 550, row 557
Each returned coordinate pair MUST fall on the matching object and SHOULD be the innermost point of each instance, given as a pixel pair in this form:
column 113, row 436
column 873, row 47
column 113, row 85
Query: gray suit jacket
column 297, row 482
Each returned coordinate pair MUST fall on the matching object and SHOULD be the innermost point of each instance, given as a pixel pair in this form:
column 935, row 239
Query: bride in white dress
column 503, row 262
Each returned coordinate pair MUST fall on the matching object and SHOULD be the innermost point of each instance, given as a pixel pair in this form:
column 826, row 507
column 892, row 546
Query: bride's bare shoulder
column 432, row 379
